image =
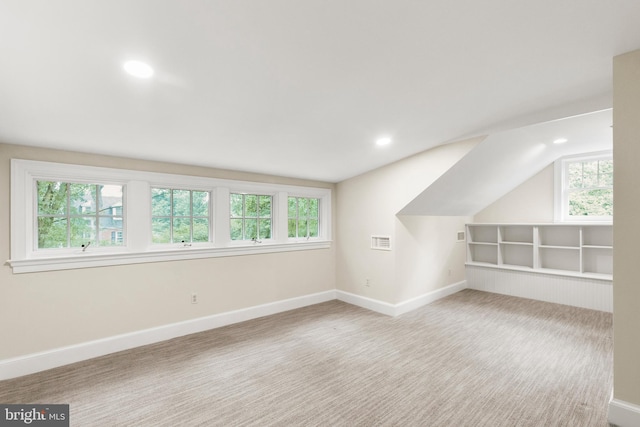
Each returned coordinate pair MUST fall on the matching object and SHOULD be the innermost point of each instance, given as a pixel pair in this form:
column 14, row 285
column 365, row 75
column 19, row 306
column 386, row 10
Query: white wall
column 428, row 254
column 424, row 249
column 44, row 311
column 532, row 201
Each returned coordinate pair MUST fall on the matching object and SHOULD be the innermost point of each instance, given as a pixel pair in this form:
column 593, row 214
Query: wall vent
column 460, row 236
column 381, row 243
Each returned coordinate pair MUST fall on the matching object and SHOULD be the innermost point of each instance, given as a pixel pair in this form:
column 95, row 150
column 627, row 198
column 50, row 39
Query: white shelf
column 577, row 250
column 572, row 248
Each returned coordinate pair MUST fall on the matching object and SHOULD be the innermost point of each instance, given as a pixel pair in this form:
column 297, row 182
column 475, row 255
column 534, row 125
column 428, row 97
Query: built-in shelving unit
column 579, row 250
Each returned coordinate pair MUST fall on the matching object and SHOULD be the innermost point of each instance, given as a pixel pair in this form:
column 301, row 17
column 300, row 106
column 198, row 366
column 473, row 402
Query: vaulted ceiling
column 299, row 88
column 506, row 159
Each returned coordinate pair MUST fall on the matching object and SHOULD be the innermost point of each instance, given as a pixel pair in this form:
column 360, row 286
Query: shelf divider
column 576, row 250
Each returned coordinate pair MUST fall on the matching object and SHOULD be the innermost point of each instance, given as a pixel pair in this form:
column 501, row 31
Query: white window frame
column 561, row 188
column 180, row 244
column 136, row 215
column 321, row 214
column 273, row 237
column 95, row 215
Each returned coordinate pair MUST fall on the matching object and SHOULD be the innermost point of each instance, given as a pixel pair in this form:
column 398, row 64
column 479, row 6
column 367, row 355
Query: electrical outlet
column 449, row 272
column 194, row 298
column 367, row 283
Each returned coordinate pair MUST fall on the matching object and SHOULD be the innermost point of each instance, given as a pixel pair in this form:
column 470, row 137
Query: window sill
column 586, row 220
column 89, row 260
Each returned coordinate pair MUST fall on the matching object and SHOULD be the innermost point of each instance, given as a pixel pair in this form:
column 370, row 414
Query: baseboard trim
column 36, row 362
column 366, row 302
column 403, row 307
column 429, row 297
column 623, row 414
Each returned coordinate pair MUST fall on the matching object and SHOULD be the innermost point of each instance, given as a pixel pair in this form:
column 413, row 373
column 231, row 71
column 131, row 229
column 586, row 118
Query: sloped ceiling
column 504, row 160
column 299, row 88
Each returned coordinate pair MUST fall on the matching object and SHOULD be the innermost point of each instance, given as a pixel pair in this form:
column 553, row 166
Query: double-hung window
column 584, row 188
column 179, row 216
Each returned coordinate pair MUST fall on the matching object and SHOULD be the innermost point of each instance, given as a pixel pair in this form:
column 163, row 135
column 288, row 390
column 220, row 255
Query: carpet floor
column 471, row 359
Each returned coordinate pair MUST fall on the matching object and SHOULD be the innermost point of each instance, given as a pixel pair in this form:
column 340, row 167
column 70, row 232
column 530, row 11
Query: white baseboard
column 366, row 302
column 403, row 307
column 429, row 297
column 36, row 362
column 624, row 414
column 29, row 364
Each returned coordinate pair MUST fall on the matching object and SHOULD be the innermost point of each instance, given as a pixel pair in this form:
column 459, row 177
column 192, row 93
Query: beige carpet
column 472, row 359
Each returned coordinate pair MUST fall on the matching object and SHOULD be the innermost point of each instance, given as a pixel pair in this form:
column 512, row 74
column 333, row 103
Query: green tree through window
column 590, row 189
column 303, row 217
column 75, row 214
column 179, row 216
column 250, row 216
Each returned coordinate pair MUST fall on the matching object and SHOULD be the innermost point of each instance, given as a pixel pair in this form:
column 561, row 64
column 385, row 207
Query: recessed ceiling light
column 138, row 69
column 383, row 141
column 560, row 141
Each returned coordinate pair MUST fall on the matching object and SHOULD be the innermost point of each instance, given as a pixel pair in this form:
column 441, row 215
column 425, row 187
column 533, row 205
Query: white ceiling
column 299, row 88
column 504, row 160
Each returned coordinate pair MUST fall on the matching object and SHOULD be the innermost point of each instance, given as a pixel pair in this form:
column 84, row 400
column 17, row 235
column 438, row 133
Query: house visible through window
column 303, row 217
column 250, row 216
column 179, row 216
column 587, row 188
column 74, row 214
column 66, row 216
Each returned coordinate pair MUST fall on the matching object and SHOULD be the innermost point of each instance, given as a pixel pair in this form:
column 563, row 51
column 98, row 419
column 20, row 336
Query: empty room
column 319, row 213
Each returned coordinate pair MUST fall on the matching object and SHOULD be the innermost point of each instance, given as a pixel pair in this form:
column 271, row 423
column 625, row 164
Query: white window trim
column 561, row 201
column 156, row 246
column 321, row 215
column 137, row 218
column 274, row 212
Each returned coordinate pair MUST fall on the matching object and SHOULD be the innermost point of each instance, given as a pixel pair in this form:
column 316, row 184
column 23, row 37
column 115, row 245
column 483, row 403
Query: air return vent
column 381, row 242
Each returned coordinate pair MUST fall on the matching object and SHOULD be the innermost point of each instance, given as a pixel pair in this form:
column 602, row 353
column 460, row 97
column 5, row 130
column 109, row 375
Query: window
column 179, row 216
column 303, row 217
column 116, row 237
column 250, row 216
column 584, row 187
column 128, row 217
column 74, row 215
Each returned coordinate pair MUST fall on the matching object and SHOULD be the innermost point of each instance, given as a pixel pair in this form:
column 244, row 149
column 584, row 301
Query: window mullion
column 97, row 214
column 306, row 219
column 221, row 217
column 191, row 216
column 280, row 217
column 136, row 215
column 171, row 217
column 68, row 214
column 244, row 217
column 297, row 217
